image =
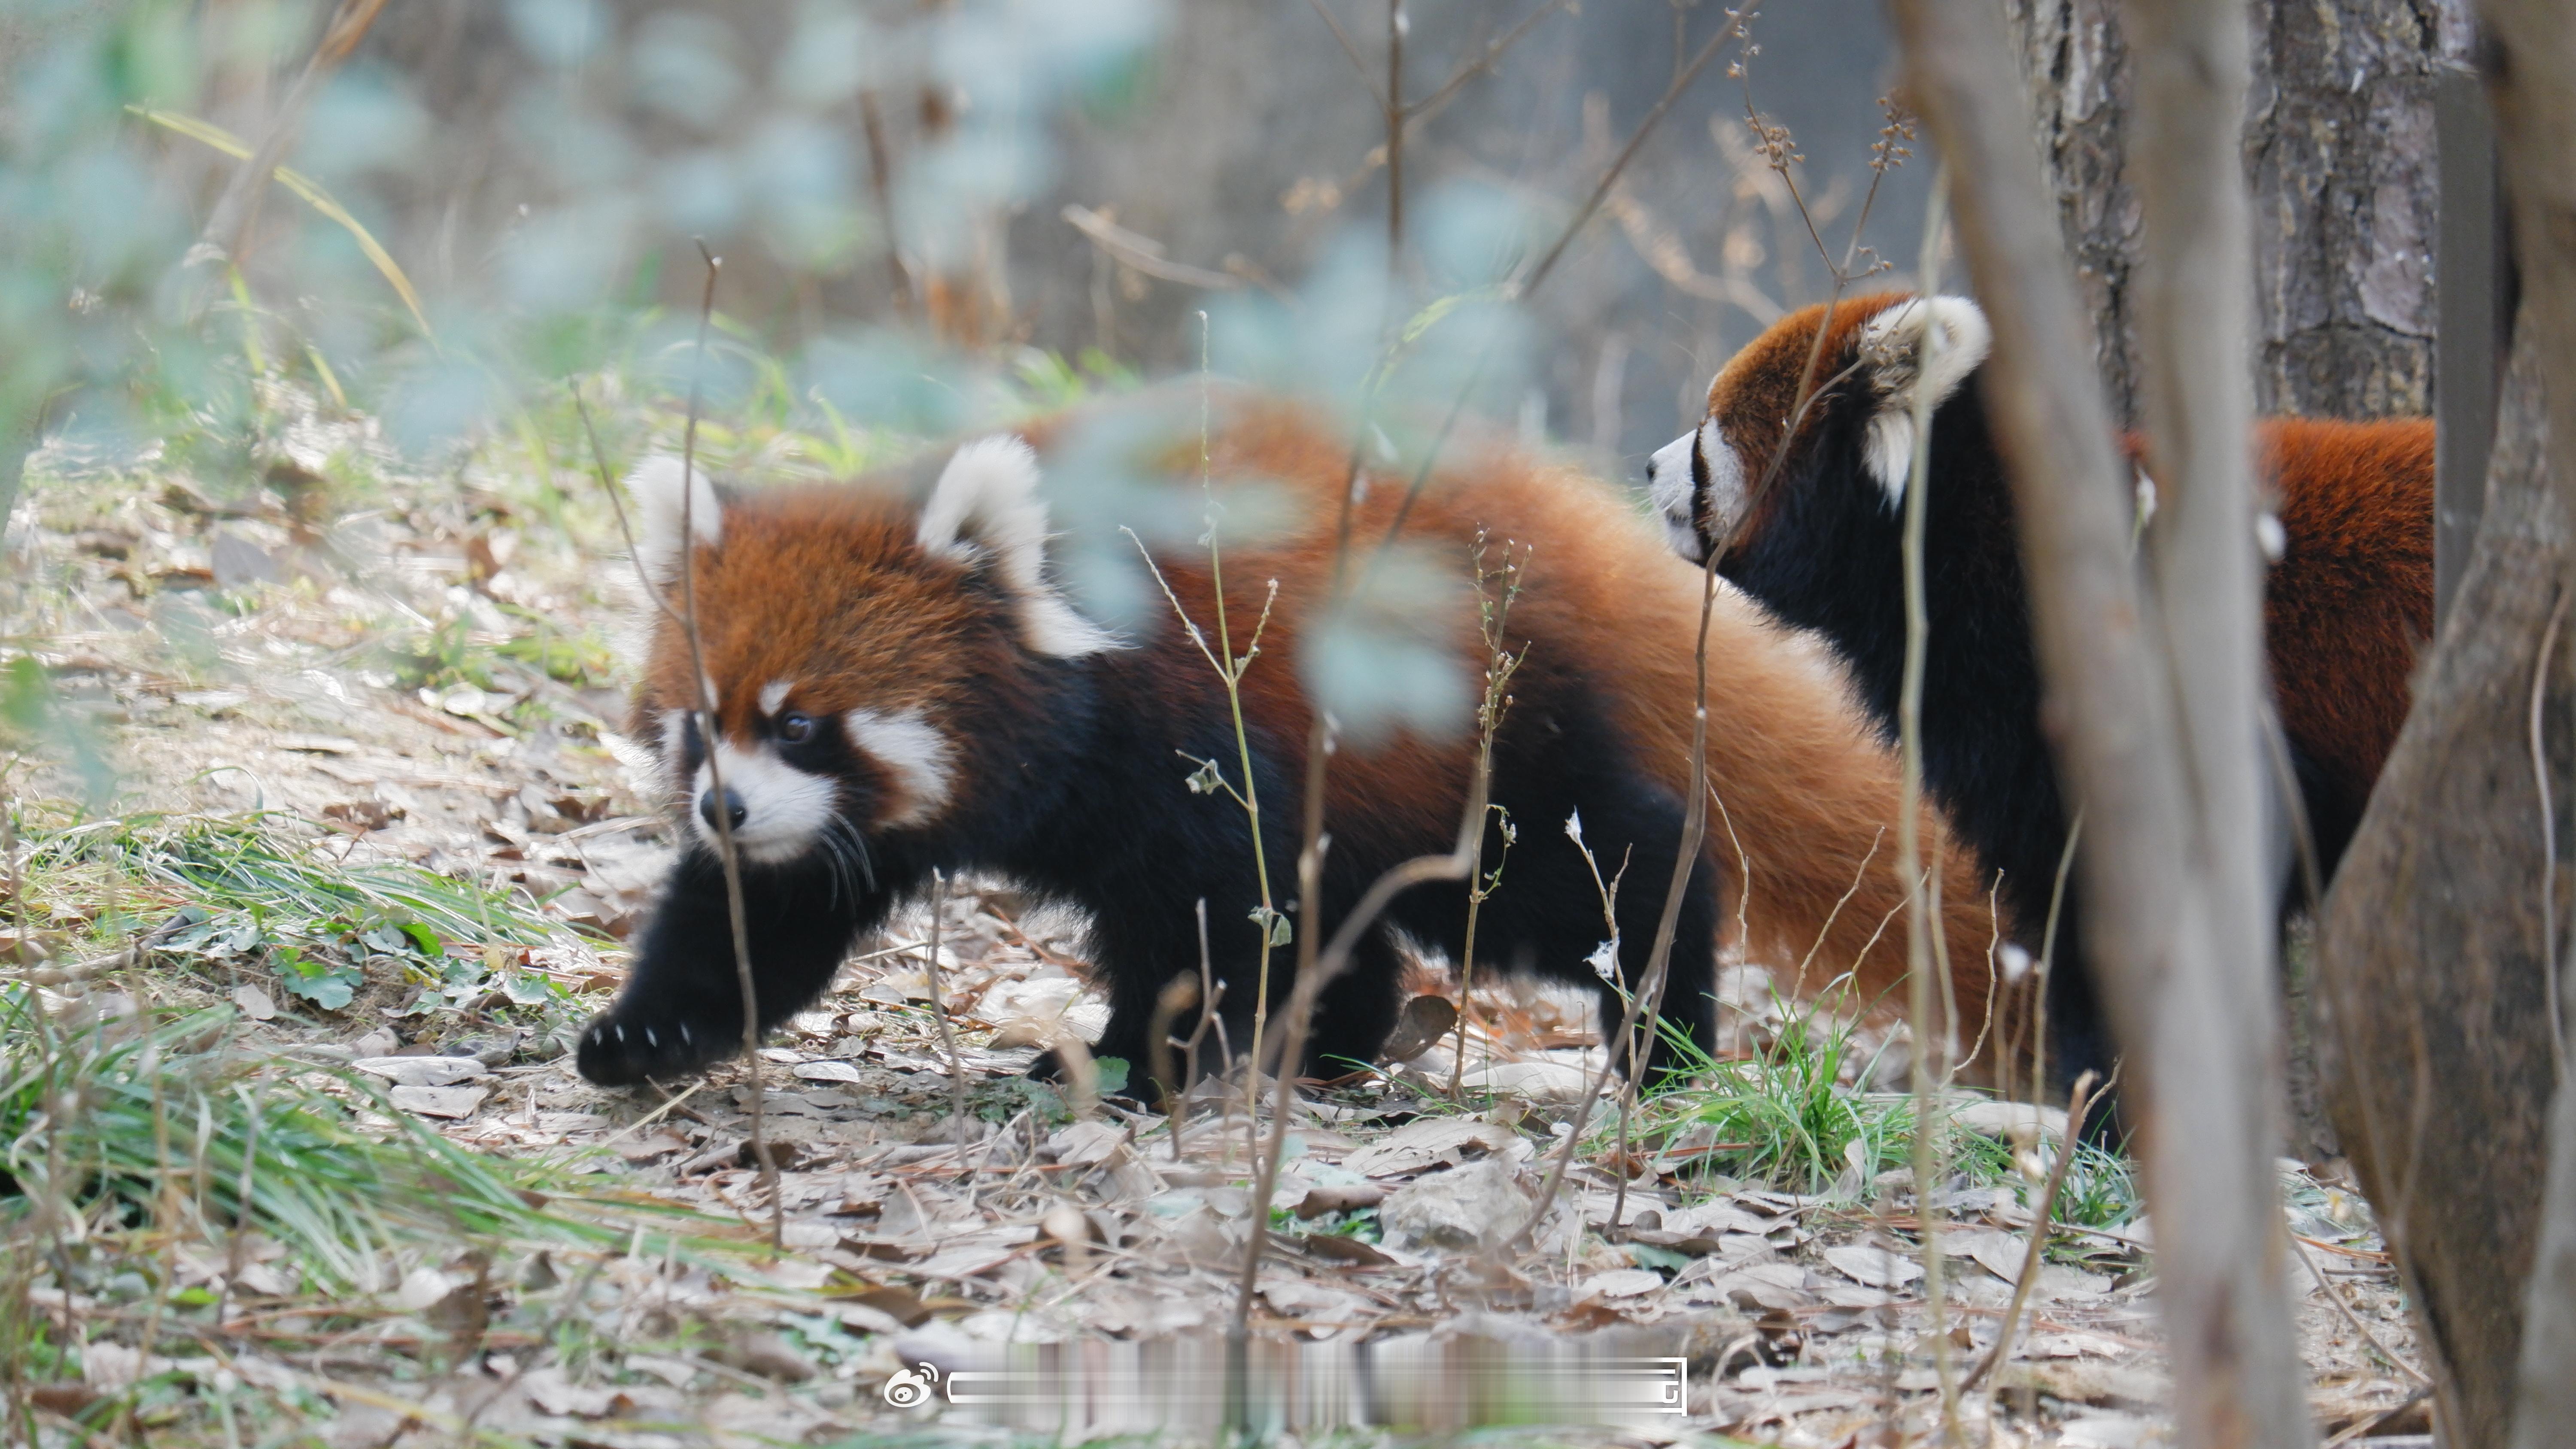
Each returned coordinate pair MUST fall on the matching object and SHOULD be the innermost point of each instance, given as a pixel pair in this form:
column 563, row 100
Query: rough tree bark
column 2530, row 60
column 2437, row 954
column 2432, row 986
column 2339, row 154
column 2155, row 927
column 2338, row 151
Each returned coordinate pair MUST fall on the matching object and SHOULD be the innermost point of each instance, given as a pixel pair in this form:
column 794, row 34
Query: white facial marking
column 784, row 808
column 920, row 757
column 1673, row 481
column 1669, row 487
column 773, row 694
column 986, row 503
column 1724, row 504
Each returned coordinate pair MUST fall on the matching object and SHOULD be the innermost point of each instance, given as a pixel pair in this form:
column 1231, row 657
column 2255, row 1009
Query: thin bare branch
column 17, row 885
column 1493, row 619
column 1483, row 60
column 1143, row 253
column 2548, row 835
column 881, row 186
column 2326, row 1287
column 1349, row 48
column 1646, row 127
column 1396, row 28
column 710, row 729
column 2036, row 1253
column 1312, row 978
column 939, row 1009
column 1931, row 1067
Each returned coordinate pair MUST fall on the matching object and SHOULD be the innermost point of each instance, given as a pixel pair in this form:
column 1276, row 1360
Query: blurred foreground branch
column 2156, row 932
column 228, row 229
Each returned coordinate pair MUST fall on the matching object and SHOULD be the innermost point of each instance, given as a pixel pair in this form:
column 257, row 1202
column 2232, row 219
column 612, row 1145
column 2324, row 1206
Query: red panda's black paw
column 1137, row 1092
column 617, row 1051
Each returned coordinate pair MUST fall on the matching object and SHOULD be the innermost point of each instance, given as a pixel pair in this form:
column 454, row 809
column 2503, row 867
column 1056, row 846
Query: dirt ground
column 420, row 675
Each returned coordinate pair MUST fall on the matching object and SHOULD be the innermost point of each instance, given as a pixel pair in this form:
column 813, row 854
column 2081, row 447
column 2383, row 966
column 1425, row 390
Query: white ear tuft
column 1892, row 345
column 655, row 485
column 985, row 504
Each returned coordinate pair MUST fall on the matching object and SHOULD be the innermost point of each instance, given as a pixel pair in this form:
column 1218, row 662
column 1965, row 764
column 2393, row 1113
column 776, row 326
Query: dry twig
column 2034, row 1255
column 2548, row 838
column 939, row 1010
column 1922, row 896
column 685, row 615
column 17, row 884
column 1493, row 616
column 1645, row 127
column 2327, row 1287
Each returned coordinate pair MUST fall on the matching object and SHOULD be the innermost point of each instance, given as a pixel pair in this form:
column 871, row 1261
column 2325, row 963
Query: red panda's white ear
column 656, row 484
column 985, row 505
column 1919, row 345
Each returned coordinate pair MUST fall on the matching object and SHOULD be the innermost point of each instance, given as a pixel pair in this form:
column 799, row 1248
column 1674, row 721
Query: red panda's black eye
column 796, row 729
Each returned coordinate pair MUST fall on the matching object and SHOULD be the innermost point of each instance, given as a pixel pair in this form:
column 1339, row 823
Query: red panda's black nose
column 734, row 809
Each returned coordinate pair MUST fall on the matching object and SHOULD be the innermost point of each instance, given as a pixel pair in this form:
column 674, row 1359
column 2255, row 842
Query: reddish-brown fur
column 2346, row 611
column 1806, row 789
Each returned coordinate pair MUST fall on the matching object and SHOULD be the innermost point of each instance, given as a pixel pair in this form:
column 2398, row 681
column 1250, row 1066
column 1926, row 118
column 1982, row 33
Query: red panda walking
column 2348, row 600
column 899, row 688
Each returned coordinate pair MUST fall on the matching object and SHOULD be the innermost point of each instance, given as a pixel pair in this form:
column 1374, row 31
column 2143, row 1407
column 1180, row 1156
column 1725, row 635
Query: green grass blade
column 313, row 194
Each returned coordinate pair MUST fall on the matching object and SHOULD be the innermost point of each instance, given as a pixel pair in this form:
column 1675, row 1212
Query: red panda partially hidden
column 2348, row 600
column 900, row 688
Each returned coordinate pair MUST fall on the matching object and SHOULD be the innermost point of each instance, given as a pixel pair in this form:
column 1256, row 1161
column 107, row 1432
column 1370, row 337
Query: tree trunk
column 2530, row 61
column 2432, row 989
column 2156, row 926
column 2340, row 162
column 2339, row 158
column 2339, row 153
column 2075, row 63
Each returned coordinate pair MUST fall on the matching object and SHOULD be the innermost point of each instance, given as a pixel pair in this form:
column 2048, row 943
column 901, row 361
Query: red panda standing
column 2348, row 600
column 899, row 687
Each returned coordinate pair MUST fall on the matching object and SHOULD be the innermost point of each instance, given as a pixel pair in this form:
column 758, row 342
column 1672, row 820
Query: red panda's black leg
column 1139, row 947
column 1689, row 1007
column 1353, row 1018
column 1546, row 916
column 1690, row 974
column 1356, row 1012
column 682, row 1006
